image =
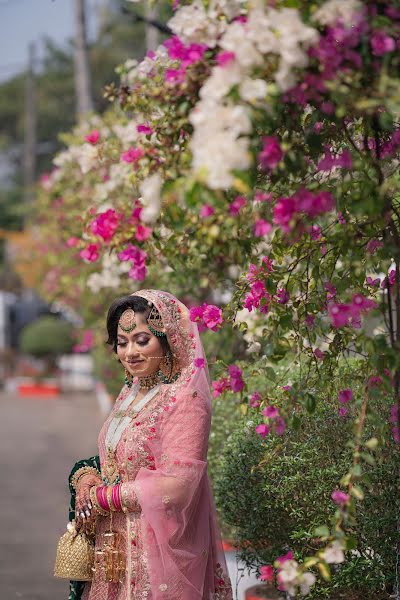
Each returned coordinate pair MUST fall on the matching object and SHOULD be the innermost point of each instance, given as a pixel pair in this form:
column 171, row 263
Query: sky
column 25, row 21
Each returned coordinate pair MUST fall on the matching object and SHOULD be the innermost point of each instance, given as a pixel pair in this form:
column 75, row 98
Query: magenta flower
column 341, row 218
column 315, row 232
column 138, row 272
column 345, row 395
column 284, row 213
column 93, row 137
column 381, row 43
column 200, row 363
column 212, row 317
column 206, row 211
column 72, row 242
column 196, row 314
column 145, row 129
column 319, row 354
column 220, row 386
column 340, row 314
column 340, row 497
column 282, row 559
column 175, row 75
column 359, row 302
column 132, row 253
column 267, row 573
column 186, row 54
column 330, row 161
column 262, row 228
column 374, row 381
column 280, row 426
column 254, row 401
column 373, row 282
column 90, row 253
column 262, row 430
column 106, row 224
column 271, row 153
column 236, row 205
column 225, row 58
column 309, row 320
column 132, row 155
column 263, row 197
column 236, row 379
column 142, row 233
column 286, row 388
column 282, row 296
column 343, row 411
column 373, row 245
column 271, row 412
column 331, row 290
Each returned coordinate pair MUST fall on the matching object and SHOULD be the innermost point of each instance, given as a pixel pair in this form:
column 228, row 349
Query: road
column 40, row 439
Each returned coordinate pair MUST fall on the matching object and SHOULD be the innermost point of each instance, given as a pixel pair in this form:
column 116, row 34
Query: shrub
column 47, row 337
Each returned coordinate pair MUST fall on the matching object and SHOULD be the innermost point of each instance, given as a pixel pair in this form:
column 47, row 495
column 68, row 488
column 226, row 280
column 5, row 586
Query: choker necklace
column 149, row 381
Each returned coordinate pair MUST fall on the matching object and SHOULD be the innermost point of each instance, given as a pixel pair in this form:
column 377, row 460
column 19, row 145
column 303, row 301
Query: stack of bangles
column 107, row 498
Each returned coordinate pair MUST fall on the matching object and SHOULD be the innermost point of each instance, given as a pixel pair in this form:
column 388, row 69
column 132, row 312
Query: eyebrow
column 121, row 335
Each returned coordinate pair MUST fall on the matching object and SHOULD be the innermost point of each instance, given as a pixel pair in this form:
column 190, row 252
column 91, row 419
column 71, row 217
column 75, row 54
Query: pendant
column 110, row 472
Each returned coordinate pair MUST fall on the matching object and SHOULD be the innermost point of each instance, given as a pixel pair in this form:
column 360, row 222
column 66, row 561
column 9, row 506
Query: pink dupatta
column 180, row 534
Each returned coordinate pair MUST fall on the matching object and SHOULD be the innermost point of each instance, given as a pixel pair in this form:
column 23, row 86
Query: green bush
column 47, row 337
column 272, row 494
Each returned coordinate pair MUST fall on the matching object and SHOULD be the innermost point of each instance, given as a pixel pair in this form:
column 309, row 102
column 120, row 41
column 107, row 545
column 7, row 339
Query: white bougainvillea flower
column 338, row 10
column 150, row 190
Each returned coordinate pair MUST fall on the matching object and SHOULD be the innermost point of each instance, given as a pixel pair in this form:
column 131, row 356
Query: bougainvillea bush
column 250, row 165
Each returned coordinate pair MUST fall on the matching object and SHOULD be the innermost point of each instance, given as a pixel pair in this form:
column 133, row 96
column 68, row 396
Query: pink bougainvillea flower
column 142, row 232
column 106, row 224
column 340, row 497
column 262, row 430
column 267, row 573
column 331, row 290
column 286, row 388
column 255, row 399
column 373, row 282
column 196, row 313
column 341, row 218
column 212, row 317
column 132, row 155
column 175, row 75
column 220, row 386
column 359, row 302
column 284, row 213
column 319, row 354
column 72, row 242
column 271, row 412
column 199, row 363
column 315, row 232
column 93, row 137
column 282, row 559
column 263, row 196
column 280, row 426
column 340, row 314
column 381, row 43
column 225, row 58
column 343, row 411
column 329, row 161
column 145, row 129
column 236, row 205
column 90, row 253
column 271, row 154
column 373, row 245
column 309, row 320
column 138, row 272
column 206, row 211
column 282, row 296
column 374, row 381
column 186, row 54
column 262, row 228
column 236, row 378
column 345, row 395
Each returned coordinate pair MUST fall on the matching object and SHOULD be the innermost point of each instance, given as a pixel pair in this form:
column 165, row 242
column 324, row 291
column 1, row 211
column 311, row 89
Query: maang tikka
column 127, row 321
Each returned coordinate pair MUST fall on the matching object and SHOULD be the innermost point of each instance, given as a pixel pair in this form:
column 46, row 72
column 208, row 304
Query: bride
column 153, row 491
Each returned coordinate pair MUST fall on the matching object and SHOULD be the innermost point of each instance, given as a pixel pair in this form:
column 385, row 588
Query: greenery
column 276, row 494
column 47, row 337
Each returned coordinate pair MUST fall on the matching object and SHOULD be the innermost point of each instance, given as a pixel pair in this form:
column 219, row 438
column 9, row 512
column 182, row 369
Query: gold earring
column 128, row 378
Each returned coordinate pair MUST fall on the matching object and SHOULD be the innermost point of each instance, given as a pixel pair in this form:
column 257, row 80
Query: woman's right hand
column 84, row 511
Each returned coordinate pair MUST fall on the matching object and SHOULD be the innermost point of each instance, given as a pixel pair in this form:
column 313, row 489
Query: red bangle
column 116, row 497
column 101, row 497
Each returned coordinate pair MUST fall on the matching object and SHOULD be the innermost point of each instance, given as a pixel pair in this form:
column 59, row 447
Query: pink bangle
column 101, row 497
column 116, row 497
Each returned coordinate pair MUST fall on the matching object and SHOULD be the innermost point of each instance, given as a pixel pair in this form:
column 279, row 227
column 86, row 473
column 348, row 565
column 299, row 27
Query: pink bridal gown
column 170, row 533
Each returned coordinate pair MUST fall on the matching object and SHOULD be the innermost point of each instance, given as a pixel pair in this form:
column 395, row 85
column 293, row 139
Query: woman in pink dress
column 153, row 484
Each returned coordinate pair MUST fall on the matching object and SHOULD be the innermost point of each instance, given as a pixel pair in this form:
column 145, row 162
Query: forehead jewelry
column 127, row 321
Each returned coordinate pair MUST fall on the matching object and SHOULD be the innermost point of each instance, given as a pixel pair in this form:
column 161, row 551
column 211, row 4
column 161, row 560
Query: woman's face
column 139, row 351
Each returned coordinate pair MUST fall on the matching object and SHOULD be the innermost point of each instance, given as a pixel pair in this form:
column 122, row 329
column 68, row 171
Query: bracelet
column 101, row 498
column 109, row 494
column 77, row 476
column 116, row 497
column 94, row 501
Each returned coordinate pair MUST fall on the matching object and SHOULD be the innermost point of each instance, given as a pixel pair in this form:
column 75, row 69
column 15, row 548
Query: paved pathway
column 39, row 442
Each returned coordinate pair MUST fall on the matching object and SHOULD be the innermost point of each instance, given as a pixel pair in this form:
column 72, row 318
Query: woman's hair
column 139, row 305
